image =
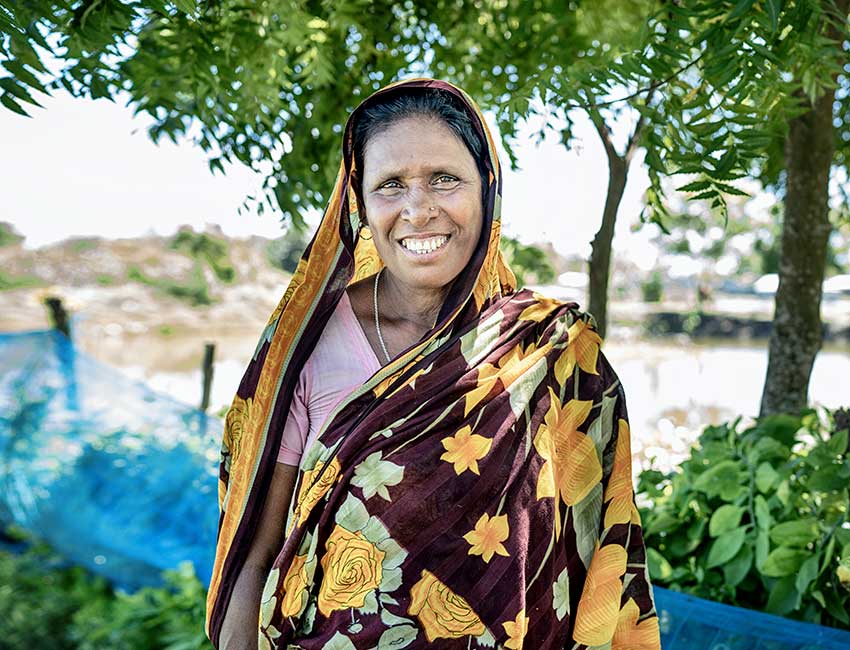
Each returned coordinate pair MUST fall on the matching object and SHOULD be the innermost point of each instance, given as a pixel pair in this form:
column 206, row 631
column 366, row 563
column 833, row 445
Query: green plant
column 8, row 282
column 195, row 290
column 757, row 518
column 82, row 244
column 529, row 263
column 8, row 236
column 48, row 605
column 167, row 618
column 205, row 249
column 39, row 599
column 284, row 252
column 652, row 289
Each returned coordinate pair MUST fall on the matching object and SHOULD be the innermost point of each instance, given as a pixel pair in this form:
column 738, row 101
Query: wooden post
column 57, row 315
column 207, row 372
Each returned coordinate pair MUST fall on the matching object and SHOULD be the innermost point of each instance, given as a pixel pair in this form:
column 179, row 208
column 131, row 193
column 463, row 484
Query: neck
column 413, row 306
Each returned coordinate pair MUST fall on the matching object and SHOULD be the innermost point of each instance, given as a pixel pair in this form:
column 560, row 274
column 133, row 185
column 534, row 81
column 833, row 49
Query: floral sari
column 475, row 492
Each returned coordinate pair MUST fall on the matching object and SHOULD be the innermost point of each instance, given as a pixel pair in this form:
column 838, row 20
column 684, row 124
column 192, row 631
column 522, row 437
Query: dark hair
column 419, row 102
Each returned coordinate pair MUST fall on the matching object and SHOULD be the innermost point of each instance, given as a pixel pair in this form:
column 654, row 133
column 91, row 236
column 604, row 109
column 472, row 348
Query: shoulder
column 563, row 316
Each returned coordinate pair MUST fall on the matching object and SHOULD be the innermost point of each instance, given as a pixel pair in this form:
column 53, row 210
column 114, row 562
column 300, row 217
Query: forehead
column 415, row 144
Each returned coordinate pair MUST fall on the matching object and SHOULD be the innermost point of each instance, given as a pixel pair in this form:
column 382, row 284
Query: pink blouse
column 341, row 361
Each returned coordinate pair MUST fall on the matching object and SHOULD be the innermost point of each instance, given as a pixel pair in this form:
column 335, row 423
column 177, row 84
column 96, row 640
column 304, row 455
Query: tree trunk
column 599, row 265
column 796, row 336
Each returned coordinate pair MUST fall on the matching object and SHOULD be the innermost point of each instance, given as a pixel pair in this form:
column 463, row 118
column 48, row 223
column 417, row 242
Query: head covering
column 476, row 488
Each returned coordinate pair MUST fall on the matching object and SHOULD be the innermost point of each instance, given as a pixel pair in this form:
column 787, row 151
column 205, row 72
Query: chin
column 428, row 279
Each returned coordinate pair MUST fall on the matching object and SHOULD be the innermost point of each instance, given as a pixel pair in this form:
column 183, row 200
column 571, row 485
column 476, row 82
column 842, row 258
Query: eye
column 444, row 179
column 389, row 185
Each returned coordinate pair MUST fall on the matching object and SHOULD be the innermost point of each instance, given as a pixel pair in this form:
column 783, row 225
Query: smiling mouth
column 424, row 246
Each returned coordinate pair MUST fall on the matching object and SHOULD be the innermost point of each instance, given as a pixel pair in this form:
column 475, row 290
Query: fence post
column 57, row 315
column 207, row 372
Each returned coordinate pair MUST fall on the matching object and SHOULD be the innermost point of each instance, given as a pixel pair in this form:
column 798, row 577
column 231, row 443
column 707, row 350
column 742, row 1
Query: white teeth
column 423, row 246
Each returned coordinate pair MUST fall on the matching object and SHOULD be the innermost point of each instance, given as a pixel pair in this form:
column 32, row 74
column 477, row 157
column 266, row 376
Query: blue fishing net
column 114, row 476
column 689, row 623
column 123, row 480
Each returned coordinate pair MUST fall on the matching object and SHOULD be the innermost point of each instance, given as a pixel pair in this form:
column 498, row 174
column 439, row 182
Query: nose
column 418, row 207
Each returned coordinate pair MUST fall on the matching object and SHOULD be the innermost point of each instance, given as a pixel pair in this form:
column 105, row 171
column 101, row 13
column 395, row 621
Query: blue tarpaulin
column 122, row 480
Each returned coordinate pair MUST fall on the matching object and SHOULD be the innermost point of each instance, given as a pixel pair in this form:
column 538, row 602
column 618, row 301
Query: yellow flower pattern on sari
column 237, row 417
column 633, row 635
column 619, row 494
column 309, row 494
column 352, row 566
column 516, row 631
column 582, row 349
column 572, row 465
column 464, row 449
column 295, row 582
column 598, row 609
column 487, row 536
column 441, row 612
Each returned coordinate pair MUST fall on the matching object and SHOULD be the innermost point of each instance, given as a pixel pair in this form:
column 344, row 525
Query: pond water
column 673, row 386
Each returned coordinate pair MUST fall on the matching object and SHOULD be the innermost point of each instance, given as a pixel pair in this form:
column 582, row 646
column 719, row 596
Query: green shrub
column 195, row 290
column 652, row 289
column 529, row 263
column 8, row 282
column 757, row 518
column 38, row 601
column 206, row 249
column 8, row 236
column 284, row 252
column 48, row 606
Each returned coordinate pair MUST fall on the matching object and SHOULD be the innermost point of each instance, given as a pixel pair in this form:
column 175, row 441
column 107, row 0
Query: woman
column 463, row 472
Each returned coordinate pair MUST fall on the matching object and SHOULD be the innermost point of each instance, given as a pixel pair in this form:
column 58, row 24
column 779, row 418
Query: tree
column 263, row 84
column 529, row 263
column 756, row 98
column 720, row 87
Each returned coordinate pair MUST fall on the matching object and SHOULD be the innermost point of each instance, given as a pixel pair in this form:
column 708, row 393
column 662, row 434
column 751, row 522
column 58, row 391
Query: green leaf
column 773, row 8
column 710, row 194
column 186, row 6
column 729, row 189
column 795, row 533
column 827, row 554
column 740, row 9
column 780, row 427
column 763, row 518
column 837, row 444
column 783, row 561
column 723, row 479
column 766, row 477
column 23, row 75
column 808, row 572
column 828, row 479
column 14, row 88
column 12, row 105
column 725, row 548
column 725, row 518
column 762, row 549
column 784, row 598
column 736, row 570
column 837, row 608
column 696, row 186
column 659, row 567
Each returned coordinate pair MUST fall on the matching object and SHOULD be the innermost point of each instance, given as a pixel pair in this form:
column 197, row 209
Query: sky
column 83, row 167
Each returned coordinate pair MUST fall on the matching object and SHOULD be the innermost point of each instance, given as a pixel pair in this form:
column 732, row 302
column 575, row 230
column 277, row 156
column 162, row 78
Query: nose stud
column 433, row 208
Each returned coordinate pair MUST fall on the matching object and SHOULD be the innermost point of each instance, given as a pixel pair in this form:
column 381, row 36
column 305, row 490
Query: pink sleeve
column 296, row 428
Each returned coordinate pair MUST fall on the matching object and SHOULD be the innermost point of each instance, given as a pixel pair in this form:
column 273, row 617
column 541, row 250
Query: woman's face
column 422, row 195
